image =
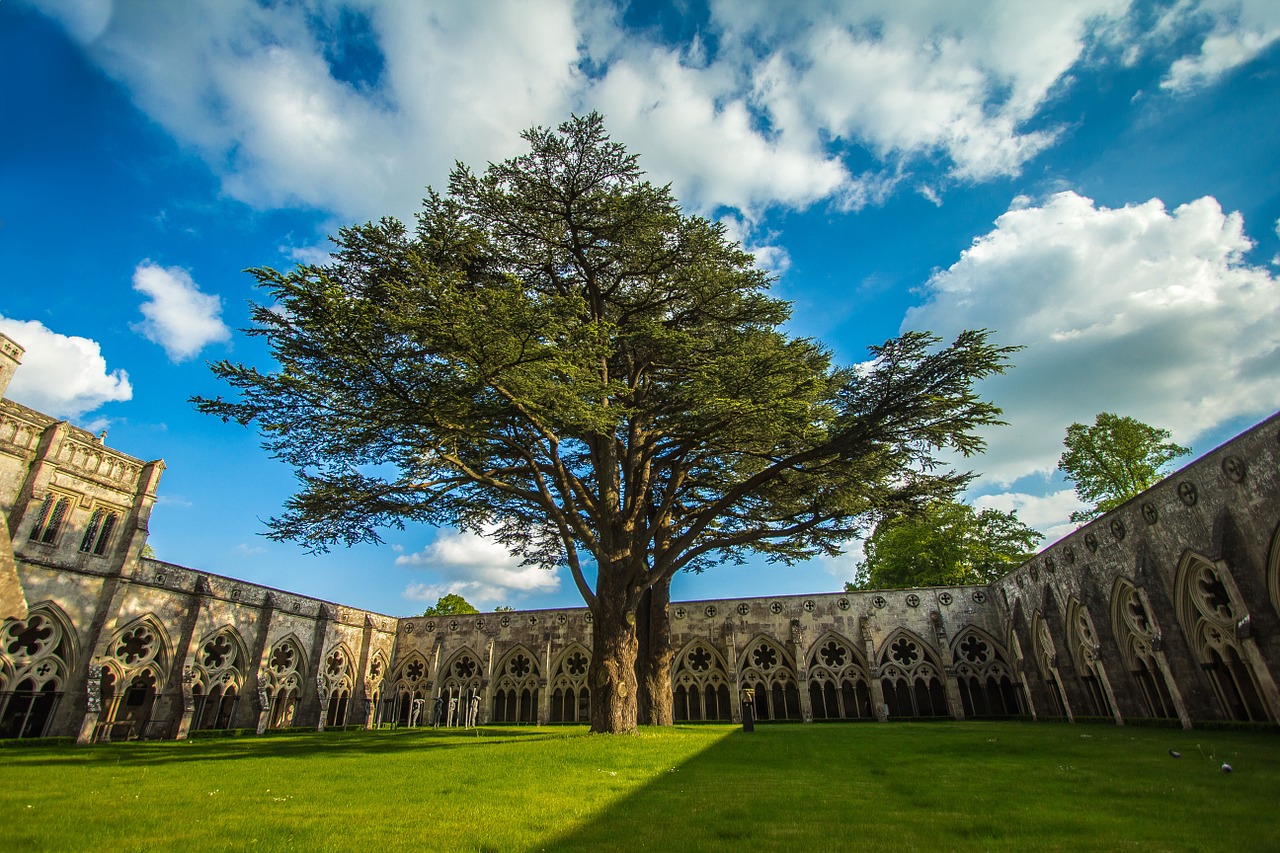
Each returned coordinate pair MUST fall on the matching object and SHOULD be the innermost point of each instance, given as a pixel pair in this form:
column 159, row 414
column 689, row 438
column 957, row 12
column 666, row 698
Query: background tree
column 504, row 608
column 559, row 357
column 1114, row 460
column 450, row 605
column 945, row 543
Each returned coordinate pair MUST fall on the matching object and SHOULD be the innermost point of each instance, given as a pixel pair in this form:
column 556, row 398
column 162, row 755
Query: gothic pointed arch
column 409, row 684
column 284, row 677
column 377, row 683
column 218, row 677
column 516, row 681
column 1084, row 648
column 767, row 669
column 336, row 682
column 570, row 696
column 1045, row 653
column 911, row 676
column 1216, row 625
column 700, row 683
column 839, row 680
column 37, row 656
column 984, row 675
column 136, row 666
column 1136, row 636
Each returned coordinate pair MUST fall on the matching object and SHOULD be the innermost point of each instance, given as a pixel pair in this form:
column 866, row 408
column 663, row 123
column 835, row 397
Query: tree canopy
column 558, row 355
column 1115, row 459
column 451, row 604
column 944, row 543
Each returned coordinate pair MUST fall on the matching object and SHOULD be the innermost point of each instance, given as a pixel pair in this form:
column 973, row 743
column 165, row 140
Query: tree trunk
column 653, row 663
column 612, row 674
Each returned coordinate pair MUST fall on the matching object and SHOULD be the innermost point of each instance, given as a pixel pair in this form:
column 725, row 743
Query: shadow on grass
column 292, row 744
column 962, row 786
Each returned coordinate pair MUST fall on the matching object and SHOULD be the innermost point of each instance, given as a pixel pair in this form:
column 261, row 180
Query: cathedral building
column 1166, row 607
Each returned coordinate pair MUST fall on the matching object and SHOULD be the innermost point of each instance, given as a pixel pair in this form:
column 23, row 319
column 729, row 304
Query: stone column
column 93, row 704
column 952, row 687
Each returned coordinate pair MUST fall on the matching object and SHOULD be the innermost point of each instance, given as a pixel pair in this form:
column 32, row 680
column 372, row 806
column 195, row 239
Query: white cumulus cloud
column 476, row 567
column 178, row 316
column 61, row 375
column 1140, row 310
column 1238, row 31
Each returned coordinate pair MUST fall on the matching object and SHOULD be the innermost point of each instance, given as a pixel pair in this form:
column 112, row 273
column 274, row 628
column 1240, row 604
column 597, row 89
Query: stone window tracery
column 98, row 534
column 336, row 684
column 700, row 684
column 52, row 513
column 1084, row 648
column 570, row 697
column 1136, row 634
column 770, row 672
column 838, row 684
column 462, row 679
column 910, row 678
column 285, row 676
column 410, row 683
column 515, row 695
column 984, row 677
column 36, row 656
column 217, row 681
column 1207, row 608
column 137, row 665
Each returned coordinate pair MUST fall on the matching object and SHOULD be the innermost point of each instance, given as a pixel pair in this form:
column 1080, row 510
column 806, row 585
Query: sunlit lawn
column 926, row 786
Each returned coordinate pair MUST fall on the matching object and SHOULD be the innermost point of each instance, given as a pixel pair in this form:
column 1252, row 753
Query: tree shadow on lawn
column 992, row 786
column 284, row 745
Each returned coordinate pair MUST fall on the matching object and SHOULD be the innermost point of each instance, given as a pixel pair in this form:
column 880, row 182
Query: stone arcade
column 1166, row 607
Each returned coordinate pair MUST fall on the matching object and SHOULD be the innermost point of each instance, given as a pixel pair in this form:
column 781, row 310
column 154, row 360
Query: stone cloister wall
column 1166, row 607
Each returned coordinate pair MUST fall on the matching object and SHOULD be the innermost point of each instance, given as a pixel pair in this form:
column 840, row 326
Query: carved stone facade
column 1167, row 607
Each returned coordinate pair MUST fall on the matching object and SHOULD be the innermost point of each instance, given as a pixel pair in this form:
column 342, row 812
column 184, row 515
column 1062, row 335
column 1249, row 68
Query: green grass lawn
column 924, row 786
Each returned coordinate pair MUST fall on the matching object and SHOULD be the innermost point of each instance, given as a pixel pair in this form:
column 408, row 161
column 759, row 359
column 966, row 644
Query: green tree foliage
column 1114, row 460
column 945, row 543
column 504, row 608
column 450, row 605
column 558, row 355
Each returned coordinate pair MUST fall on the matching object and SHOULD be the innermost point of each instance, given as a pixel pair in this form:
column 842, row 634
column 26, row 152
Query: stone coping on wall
column 1113, row 537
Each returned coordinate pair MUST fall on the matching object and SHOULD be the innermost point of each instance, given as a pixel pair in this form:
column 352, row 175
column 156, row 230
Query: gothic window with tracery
column 515, row 697
column 35, row 659
column 570, row 697
column 700, row 684
column 1046, row 656
column 983, row 674
column 218, row 680
column 285, row 676
column 137, row 664
column 52, row 513
column 1084, row 647
column 911, row 678
column 770, row 672
column 1207, row 608
column 839, row 688
column 1136, row 633
column 463, row 677
column 98, row 534
column 336, row 683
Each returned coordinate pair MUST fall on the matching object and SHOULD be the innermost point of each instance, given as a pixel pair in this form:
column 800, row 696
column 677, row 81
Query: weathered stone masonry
column 1166, row 607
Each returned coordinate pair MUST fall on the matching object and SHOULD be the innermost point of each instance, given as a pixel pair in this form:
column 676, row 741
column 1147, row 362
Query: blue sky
column 1093, row 180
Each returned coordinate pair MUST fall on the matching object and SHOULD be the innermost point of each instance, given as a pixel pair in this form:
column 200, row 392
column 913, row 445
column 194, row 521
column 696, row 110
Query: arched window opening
column 36, row 654
column 52, row 513
column 1208, row 611
column 700, row 684
column 769, row 671
column 910, row 678
column 569, row 682
column 98, row 534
